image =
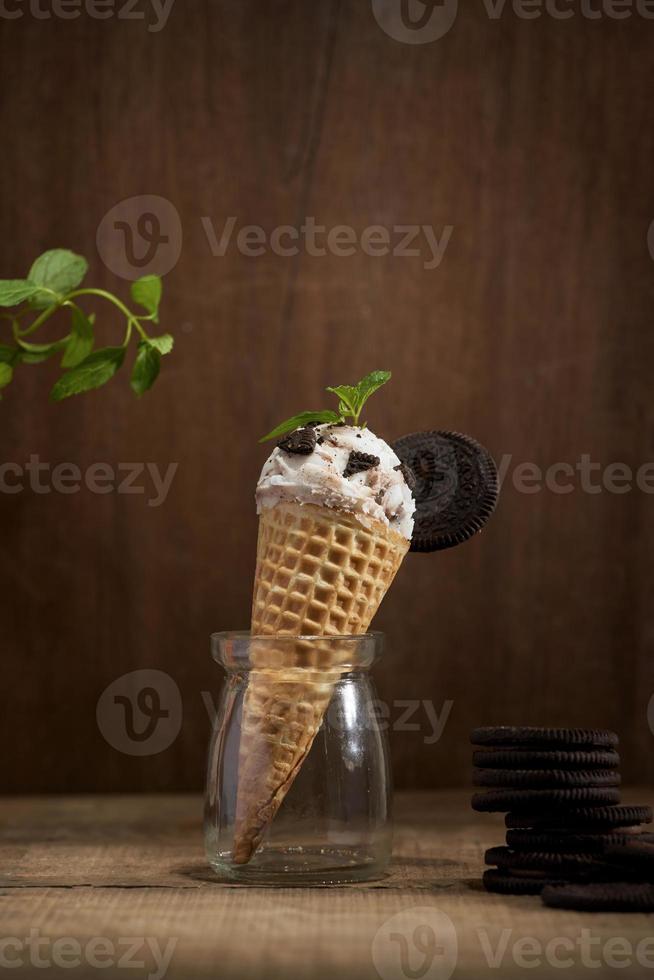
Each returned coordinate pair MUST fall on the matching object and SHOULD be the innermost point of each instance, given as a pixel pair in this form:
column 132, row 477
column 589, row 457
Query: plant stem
column 132, row 321
column 40, row 320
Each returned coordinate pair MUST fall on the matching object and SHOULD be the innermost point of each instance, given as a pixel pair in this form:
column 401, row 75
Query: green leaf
column 9, row 355
column 299, row 420
column 6, row 374
column 15, row 291
column 164, row 343
column 57, row 271
column 348, row 398
column 41, row 348
column 369, row 385
column 146, row 368
column 81, row 340
column 352, row 398
column 37, row 353
column 93, row 372
column 27, row 358
column 147, row 293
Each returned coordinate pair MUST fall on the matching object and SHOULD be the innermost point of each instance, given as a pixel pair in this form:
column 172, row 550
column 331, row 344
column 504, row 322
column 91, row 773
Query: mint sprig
column 54, row 283
column 351, row 399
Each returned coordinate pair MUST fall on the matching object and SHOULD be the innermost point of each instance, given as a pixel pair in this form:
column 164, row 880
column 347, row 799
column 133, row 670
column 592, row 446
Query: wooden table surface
column 117, row 886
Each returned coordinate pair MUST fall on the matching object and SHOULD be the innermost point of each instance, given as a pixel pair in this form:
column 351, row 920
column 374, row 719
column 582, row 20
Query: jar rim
column 242, row 650
column 222, row 635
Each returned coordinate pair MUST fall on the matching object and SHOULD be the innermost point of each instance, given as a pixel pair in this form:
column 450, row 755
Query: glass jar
column 298, row 785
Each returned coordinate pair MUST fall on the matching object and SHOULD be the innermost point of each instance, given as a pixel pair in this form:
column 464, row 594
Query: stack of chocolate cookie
column 568, row 837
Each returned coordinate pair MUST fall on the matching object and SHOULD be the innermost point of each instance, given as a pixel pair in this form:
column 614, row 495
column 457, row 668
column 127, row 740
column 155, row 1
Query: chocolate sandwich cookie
column 505, row 858
column 571, row 843
column 636, row 856
column 551, row 738
column 584, row 818
column 456, row 487
column 542, row 759
column 530, row 800
column 510, row 883
column 616, row 897
column 568, row 866
column 535, row 778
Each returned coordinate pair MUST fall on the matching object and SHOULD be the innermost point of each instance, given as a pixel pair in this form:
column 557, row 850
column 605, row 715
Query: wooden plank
column 158, row 893
column 132, row 841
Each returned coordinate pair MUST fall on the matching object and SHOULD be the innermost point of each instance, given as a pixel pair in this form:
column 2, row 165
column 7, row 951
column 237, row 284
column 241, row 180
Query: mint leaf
column 368, row 386
column 147, row 293
column 352, row 398
column 9, row 355
column 347, row 398
column 299, row 420
column 57, row 271
column 36, row 353
column 6, row 374
column 15, row 355
column 93, row 372
column 15, row 291
column 81, row 340
column 164, row 343
column 146, row 368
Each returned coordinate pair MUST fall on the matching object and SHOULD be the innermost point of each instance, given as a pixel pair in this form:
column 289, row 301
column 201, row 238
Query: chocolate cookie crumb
column 359, row 463
column 301, row 442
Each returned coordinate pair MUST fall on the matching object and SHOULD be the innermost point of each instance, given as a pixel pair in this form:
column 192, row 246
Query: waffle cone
column 319, row 572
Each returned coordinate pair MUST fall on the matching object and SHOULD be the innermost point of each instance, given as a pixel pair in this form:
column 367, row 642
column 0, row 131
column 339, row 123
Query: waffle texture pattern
column 319, row 573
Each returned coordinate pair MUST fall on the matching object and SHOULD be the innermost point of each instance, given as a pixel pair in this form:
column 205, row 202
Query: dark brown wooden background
column 535, row 140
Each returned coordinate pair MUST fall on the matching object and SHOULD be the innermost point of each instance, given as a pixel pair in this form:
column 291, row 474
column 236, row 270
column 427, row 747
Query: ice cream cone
column 320, row 572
